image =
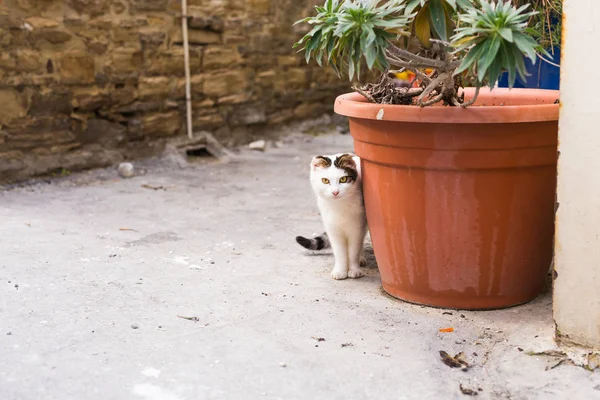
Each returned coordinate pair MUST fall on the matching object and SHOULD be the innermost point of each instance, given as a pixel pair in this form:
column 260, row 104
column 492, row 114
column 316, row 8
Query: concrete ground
column 96, row 273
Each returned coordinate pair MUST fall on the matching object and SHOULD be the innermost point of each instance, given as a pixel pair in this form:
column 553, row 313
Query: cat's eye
column 344, row 179
column 325, row 181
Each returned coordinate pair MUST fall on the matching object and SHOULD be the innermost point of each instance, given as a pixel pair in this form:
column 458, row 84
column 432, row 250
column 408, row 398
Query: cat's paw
column 355, row 273
column 339, row 274
column 363, row 261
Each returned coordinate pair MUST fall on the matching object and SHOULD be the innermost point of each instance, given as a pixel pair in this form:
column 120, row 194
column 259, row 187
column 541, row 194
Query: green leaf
column 329, row 5
column 509, row 63
column 422, row 27
column 336, row 69
column 520, row 63
column 506, row 33
column 488, row 58
column 390, row 24
column 302, row 20
column 471, row 57
column 371, row 56
column 526, row 45
column 314, row 42
column 486, row 7
column 411, row 5
column 458, row 42
column 350, row 67
column 449, row 25
column 371, row 38
column 319, row 57
column 464, row 4
column 330, row 46
column 382, row 60
column 356, row 57
column 438, row 18
column 494, row 73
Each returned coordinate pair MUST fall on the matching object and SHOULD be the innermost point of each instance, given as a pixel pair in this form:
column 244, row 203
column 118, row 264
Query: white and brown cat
column 336, row 181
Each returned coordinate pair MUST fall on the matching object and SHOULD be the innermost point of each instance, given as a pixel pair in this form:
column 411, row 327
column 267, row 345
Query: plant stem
column 473, row 100
column 365, row 94
column 430, row 88
column 437, row 98
column 398, row 52
column 548, row 61
column 410, row 92
column 424, row 77
column 444, row 43
column 401, row 63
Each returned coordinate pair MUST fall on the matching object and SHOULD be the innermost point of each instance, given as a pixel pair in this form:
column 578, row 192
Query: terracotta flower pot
column 460, row 202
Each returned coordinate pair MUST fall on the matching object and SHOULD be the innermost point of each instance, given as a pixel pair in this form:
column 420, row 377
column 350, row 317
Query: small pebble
column 258, row 145
column 126, row 170
column 8, row 333
column 16, row 285
column 282, row 364
column 134, row 326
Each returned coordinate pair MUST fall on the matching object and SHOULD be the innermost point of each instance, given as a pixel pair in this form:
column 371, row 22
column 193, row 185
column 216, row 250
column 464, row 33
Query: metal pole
column 186, row 58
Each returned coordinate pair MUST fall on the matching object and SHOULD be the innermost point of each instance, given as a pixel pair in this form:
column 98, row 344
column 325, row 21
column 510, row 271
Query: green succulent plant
column 442, row 43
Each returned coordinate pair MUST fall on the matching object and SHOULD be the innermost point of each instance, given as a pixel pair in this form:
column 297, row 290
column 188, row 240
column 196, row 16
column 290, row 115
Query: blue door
column 542, row 75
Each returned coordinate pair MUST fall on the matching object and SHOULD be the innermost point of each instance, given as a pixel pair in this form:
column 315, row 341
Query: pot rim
column 542, row 108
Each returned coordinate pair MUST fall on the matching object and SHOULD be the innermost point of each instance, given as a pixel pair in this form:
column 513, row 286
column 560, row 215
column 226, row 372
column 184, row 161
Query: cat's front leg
column 356, row 256
column 339, row 245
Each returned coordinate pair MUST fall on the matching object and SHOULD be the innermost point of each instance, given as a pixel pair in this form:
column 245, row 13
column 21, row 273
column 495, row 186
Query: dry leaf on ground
column 458, row 361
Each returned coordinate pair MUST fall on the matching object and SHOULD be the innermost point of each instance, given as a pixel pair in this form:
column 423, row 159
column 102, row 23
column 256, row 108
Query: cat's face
column 334, row 177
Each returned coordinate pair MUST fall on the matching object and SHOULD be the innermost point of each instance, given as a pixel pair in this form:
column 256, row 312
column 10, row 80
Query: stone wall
column 87, row 83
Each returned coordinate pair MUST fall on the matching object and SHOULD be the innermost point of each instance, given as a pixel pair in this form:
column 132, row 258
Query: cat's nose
column 335, row 192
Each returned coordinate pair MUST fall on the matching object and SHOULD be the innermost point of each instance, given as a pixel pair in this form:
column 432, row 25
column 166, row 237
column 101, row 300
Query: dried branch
column 473, row 100
column 365, row 94
column 434, row 100
column 386, row 92
column 398, row 52
column 548, row 61
column 430, row 87
column 452, row 65
column 442, row 42
column 410, row 92
column 401, row 63
column 424, row 77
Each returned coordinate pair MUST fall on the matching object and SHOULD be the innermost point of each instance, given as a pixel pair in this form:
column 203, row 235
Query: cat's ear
column 320, row 162
column 347, row 163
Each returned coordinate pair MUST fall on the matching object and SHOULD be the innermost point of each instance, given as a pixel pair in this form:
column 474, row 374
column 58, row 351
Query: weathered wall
column 86, row 83
column 577, row 247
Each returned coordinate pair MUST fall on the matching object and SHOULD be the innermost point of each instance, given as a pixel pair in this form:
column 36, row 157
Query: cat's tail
column 317, row 243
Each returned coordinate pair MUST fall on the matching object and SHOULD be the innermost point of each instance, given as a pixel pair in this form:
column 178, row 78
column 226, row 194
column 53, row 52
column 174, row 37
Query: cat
column 336, row 182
